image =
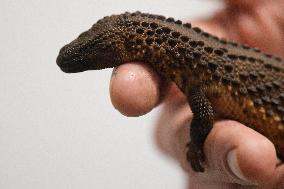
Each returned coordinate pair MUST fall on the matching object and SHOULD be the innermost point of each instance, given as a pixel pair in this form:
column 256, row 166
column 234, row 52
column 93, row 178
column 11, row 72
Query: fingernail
column 234, row 165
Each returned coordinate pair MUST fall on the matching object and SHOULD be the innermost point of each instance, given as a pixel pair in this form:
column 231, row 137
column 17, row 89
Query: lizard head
column 97, row 48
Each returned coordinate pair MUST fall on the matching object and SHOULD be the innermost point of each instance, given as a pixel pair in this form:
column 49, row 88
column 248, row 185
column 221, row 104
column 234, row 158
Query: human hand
column 237, row 157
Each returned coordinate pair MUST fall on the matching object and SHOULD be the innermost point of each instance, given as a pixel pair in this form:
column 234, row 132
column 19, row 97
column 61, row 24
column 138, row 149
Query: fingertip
column 256, row 158
column 134, row 89
column 240, row 153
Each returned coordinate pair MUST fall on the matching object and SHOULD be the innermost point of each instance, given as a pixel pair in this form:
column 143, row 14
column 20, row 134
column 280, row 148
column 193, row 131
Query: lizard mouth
column 69, row 63
column 72, row 65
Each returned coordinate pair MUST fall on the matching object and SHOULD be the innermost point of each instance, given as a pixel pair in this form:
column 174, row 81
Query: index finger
column 134, row 89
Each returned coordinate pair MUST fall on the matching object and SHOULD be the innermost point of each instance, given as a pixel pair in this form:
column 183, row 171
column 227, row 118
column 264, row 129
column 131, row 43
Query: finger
column 279, row 177
column 250, row 25
column 134, row 89
column 243, row 4
column 240, row 154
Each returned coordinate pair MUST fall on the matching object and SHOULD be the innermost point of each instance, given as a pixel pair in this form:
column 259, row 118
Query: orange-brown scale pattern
column 240, row 82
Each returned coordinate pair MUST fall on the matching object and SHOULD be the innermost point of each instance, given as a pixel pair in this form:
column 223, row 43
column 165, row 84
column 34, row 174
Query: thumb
column 238, row 154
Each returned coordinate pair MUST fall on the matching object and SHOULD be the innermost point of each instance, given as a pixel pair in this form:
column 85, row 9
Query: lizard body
column 220, row 78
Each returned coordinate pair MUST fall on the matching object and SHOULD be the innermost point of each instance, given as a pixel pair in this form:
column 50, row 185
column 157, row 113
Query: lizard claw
column 196, row 157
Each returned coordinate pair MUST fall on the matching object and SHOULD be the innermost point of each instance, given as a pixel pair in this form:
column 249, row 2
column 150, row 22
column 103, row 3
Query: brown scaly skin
column 221, row 79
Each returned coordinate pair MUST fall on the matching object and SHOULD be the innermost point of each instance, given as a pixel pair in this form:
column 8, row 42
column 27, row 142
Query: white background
column 60, row 131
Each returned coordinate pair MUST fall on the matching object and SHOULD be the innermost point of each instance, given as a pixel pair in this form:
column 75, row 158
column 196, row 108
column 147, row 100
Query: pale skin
column 237, row 157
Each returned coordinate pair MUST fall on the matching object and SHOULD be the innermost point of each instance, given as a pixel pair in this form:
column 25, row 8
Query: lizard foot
column 195, row 156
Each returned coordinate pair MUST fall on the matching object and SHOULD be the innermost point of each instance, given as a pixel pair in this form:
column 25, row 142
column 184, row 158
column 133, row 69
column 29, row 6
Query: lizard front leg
column 201, row 125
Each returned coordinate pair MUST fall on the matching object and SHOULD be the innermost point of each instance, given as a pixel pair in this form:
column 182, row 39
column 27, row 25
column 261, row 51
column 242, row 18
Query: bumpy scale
column 220, row 78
